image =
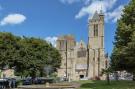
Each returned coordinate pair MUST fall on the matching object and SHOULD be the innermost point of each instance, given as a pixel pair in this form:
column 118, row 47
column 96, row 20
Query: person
column 1, row 84
column 7, row 84
column 13, row 83
column 10, row 82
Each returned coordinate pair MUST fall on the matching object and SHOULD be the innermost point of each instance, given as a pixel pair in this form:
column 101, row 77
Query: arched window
column 95, row 29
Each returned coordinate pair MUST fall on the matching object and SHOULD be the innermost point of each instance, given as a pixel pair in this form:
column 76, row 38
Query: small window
column 95, row 29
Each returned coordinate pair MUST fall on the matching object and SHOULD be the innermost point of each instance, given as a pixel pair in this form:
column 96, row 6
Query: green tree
column 28, row 56
column 8, row 47
column 129, row 56
column 122, row 56
column 37, row 54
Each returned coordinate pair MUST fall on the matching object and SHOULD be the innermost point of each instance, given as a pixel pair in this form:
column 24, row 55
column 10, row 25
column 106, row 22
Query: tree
column 129, row 56
column 107, row 72
column 37, row 54
column 123, row 53
column 27, row 55
column 8, row 47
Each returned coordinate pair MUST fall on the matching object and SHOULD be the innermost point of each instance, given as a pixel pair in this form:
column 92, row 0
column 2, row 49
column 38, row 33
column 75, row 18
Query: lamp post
column 66, row 60
column 87, row 61
column 71, row 61
column 98, row 62
column 94, row 63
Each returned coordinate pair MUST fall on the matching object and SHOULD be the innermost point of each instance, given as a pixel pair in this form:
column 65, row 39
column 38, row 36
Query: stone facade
column 80, row 61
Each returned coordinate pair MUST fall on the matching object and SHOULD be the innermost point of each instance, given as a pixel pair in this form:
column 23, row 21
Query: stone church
column 81, row 60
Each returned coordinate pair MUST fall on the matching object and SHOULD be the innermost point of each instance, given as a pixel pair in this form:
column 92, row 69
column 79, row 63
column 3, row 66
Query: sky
column 48, row 19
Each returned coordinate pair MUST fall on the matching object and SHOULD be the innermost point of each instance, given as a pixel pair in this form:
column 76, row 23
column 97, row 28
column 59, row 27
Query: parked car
column 27, row 81
column 37, row 81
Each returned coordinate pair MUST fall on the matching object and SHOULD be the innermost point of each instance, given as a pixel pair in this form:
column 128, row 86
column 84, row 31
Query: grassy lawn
column 103, row 85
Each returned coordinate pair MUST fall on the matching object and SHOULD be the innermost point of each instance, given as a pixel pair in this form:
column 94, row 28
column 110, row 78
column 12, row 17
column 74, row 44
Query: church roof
column 96, row 16
column 66, row 37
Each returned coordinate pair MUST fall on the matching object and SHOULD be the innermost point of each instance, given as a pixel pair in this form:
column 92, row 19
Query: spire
column 101, row 12
column 96, row 16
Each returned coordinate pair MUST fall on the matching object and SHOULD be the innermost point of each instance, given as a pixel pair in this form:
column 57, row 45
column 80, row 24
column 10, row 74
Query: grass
column 103, row 85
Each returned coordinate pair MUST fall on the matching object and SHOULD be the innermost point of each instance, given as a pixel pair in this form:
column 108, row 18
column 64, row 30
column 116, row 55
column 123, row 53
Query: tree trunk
column 41, row 73
column 108, row 79
column 116, row 76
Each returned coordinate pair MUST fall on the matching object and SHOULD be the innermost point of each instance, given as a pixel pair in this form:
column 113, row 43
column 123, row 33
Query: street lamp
column 98, row 62
column 87, row 60
column 66, row 60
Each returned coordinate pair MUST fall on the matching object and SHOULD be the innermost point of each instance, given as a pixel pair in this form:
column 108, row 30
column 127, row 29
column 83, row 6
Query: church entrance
column 81, row 76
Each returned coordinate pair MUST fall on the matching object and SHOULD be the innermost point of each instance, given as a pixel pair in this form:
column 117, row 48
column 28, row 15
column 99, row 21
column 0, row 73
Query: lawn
column 103, row 85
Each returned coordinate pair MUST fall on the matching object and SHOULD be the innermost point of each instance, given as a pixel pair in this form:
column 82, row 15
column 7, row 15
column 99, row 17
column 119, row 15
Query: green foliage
column 29, row 56
column 107, row 71
column 123, row 57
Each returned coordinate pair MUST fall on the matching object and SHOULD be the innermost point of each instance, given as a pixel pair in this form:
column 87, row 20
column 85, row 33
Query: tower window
column 95, row 29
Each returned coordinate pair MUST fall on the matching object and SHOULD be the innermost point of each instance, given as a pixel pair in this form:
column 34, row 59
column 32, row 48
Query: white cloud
column 75, row 1
column 95, row 5
column 52, row 40
column 13, row 19
column 90, row 6
column 115, row 14
column 70, row 1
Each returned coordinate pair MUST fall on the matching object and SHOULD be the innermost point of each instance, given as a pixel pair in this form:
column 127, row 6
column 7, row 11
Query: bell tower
column 96, row 44
column 96, row 31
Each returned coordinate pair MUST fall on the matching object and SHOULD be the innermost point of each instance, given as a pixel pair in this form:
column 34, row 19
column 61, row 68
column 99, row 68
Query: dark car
column 27, row 81
column 37, row 81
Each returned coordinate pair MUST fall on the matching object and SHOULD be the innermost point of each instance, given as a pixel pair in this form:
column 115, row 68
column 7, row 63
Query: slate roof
column 96, row 16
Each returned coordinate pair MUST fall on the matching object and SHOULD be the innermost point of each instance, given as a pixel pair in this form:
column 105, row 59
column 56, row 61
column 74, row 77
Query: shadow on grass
column 94, row 84
column 88, row 85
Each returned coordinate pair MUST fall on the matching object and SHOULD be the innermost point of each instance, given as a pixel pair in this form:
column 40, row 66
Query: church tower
column 96, row 45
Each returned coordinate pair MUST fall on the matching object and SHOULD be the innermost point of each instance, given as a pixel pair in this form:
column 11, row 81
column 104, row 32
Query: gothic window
column 61, row 44
column 81, row 53
column 95, row 29
column 102, row 41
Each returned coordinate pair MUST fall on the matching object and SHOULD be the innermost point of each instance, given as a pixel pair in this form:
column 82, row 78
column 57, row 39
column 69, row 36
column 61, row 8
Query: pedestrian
column 10, row 82
column 14, row 82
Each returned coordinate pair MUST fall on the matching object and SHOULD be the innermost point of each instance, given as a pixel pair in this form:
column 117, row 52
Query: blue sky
column 48, row 19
